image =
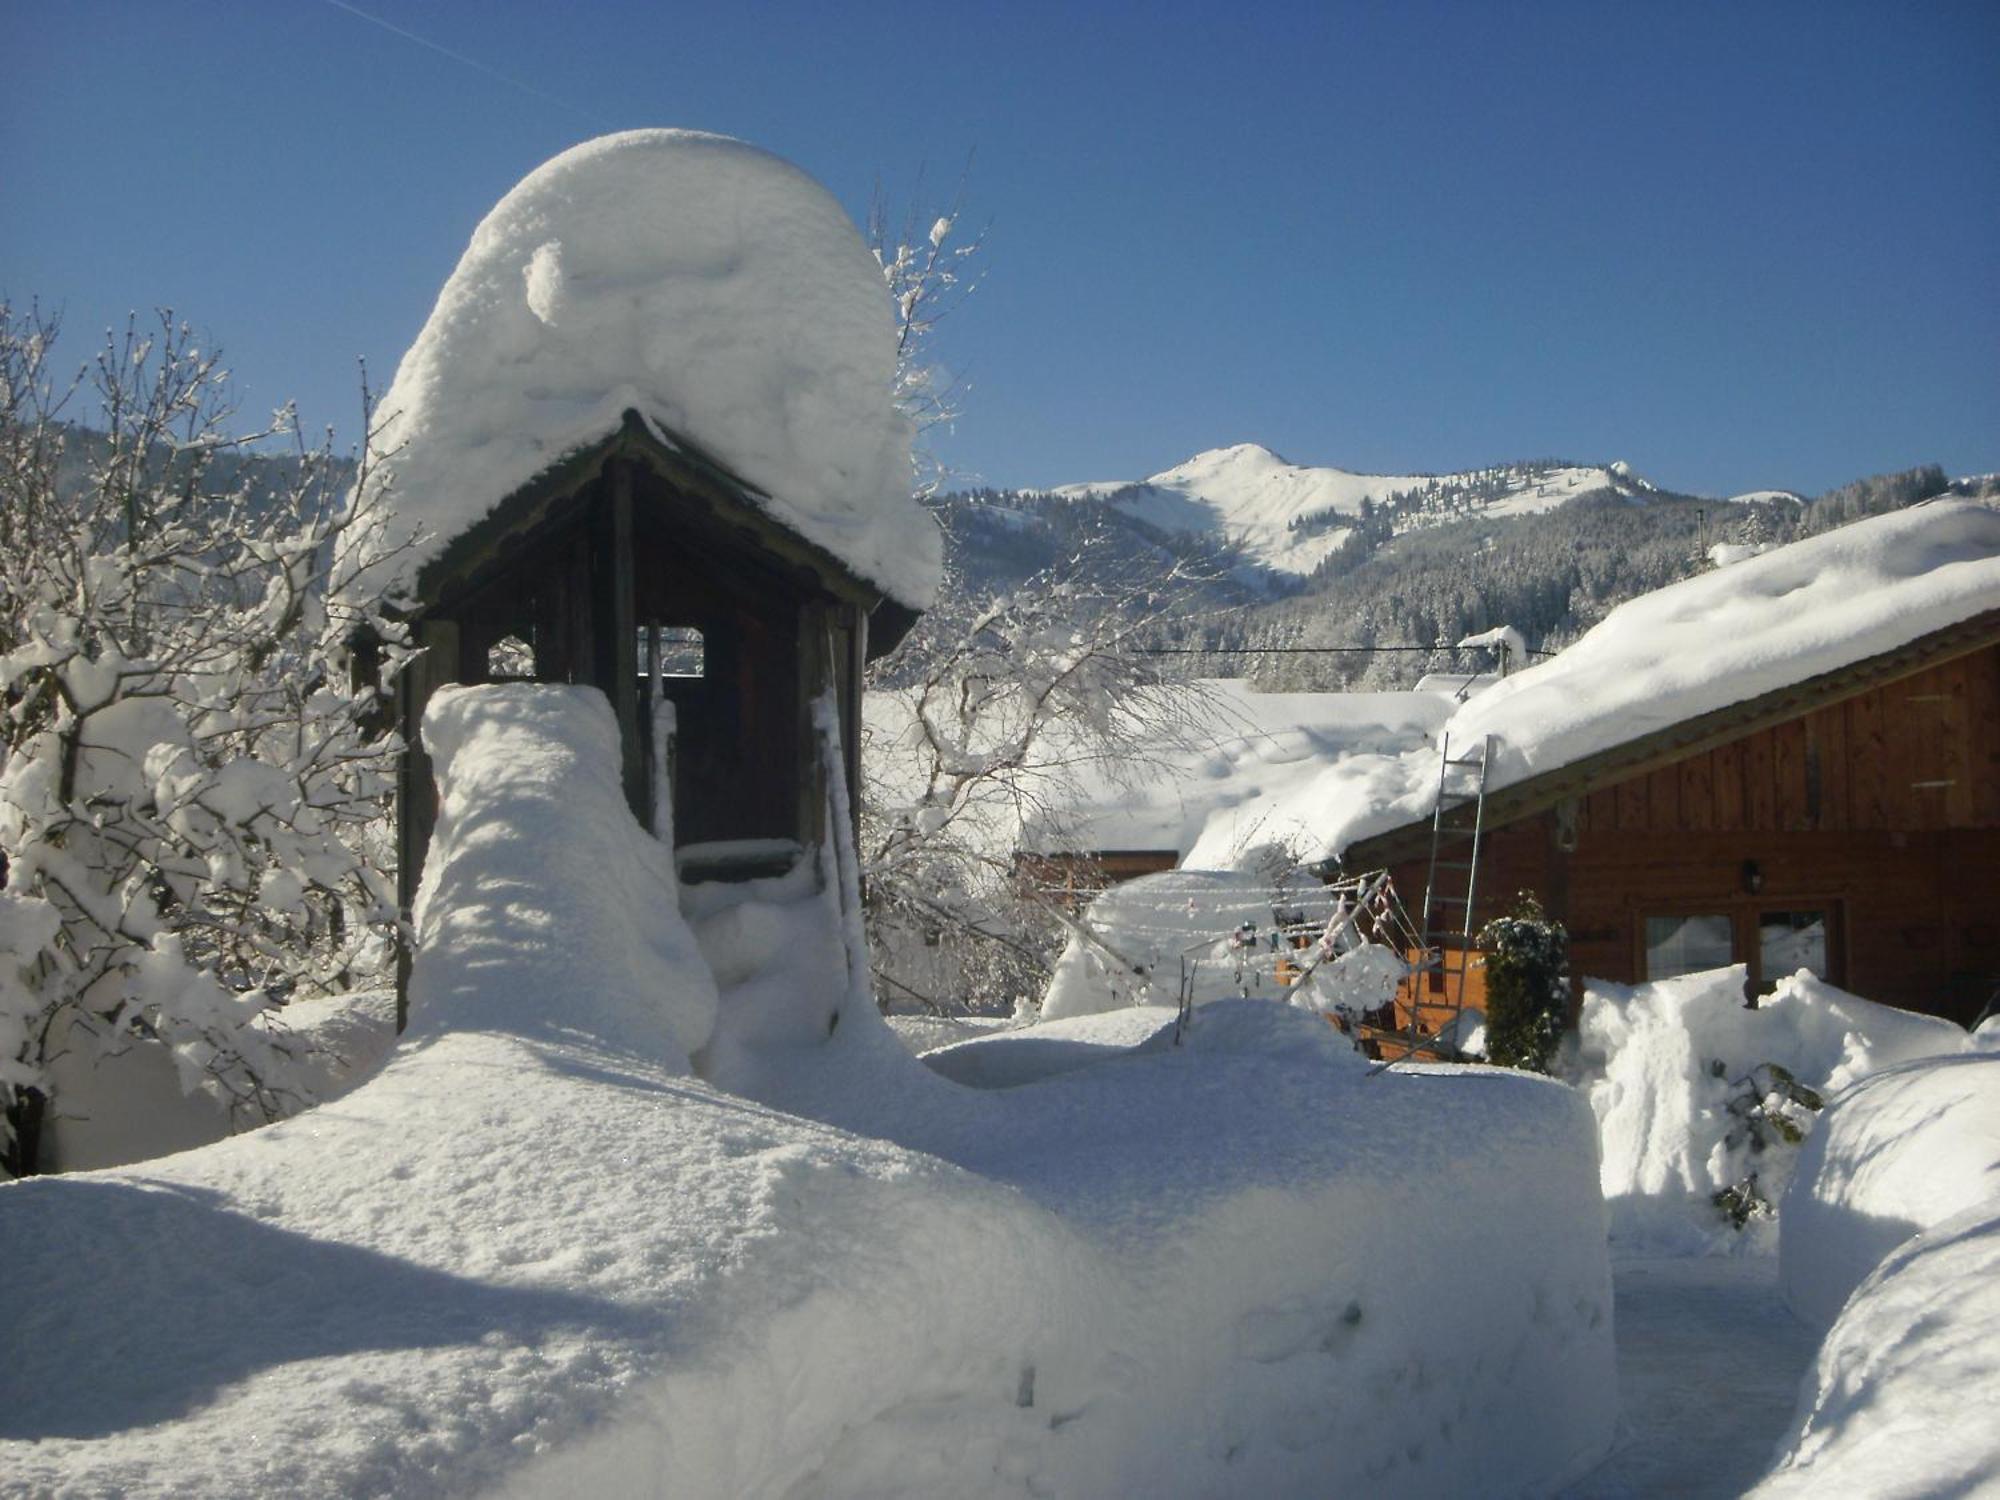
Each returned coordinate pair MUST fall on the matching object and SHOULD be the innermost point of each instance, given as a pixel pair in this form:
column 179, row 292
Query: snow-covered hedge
column 1702, row 1103
column 536, row 1254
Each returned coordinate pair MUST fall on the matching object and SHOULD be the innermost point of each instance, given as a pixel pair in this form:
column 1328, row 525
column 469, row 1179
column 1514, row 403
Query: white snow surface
column 1249, row 496
column 133, row 1104
column 1767, row 497
column 1900, row 1152
column 1899, row 1403
column 706, row 284
column 1662, row 1063
column 535, row 1255
column 1701, row 644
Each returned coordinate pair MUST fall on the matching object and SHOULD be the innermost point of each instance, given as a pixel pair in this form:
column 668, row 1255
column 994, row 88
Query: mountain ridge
column 1289, row 519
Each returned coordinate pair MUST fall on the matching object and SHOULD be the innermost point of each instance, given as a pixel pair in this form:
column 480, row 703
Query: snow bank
column 1702, row 644
column 1695, row 1095
column 535, row 1255
column 1901, row 1151
column 133, row 1104
column 1899, row 1403
column 710, row 286
column 1274, row 1233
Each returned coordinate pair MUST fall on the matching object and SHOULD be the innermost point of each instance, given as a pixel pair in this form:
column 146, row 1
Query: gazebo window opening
column 669, row 651
column 510, row 659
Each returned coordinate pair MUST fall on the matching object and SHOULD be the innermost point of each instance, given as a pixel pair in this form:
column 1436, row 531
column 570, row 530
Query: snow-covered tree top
column 715, row 289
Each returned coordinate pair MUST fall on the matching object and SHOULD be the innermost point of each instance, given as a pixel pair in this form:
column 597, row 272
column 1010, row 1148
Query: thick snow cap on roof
column 715, row 289
column 1706, row 643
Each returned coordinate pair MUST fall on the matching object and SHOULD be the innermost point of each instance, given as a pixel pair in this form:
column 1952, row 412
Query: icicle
column 845, row 872
column 665, row 727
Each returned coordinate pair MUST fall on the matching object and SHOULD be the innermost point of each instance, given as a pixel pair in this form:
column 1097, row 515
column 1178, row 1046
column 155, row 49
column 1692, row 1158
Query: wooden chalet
column 637, row 565
column 1848, row 823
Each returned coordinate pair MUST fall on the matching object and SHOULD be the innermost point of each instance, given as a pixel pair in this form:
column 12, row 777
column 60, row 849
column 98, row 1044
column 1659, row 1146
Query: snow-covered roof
column 1703, row 644
column 1205, row 791
column 704, row 283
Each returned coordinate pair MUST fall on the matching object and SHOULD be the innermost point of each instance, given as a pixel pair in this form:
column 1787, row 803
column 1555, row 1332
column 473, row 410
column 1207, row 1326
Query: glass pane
column 509, row 658
column 1686, row 945
column 682, row 650
column 1788, row 941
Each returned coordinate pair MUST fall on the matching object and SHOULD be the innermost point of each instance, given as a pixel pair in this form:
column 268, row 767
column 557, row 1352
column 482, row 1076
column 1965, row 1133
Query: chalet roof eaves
column 1522, row 799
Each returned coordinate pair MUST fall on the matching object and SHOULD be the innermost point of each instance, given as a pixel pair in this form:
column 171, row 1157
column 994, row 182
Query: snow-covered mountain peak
column 1289, row 518
column 1238, row 461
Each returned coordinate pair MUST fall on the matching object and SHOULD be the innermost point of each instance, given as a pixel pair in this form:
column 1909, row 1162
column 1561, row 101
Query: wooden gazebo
column 640, row 566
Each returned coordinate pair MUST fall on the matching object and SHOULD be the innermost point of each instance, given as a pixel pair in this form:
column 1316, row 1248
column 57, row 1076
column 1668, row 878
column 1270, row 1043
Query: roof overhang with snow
column 713, row 495
column 1692, row 736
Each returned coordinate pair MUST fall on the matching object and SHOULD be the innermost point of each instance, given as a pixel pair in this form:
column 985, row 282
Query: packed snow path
column 1709, row 1365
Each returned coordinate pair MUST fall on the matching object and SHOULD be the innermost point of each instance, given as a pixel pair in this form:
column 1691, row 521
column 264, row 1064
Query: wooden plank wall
column 1885, row 807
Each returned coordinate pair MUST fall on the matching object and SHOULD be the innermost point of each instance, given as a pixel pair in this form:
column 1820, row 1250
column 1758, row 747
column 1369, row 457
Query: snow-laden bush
column 1702, row 1104
column 1002, row 704
column 1527, row 986
column 188, row 805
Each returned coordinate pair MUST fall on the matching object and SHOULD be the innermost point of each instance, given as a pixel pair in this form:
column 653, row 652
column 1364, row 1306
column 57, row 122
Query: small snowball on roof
column 711, row 286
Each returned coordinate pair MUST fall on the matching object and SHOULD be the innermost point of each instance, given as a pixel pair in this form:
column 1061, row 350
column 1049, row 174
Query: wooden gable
column 1867, row 799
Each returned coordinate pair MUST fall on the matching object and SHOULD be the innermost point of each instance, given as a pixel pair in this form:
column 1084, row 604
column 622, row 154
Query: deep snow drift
column 1696, row 1095
column 1902, row 1151
column 713, row 288
column 536, row 1255
column 1898, row 1405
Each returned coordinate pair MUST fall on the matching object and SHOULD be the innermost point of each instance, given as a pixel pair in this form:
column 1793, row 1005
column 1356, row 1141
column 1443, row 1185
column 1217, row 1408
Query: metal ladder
column 1453, row 883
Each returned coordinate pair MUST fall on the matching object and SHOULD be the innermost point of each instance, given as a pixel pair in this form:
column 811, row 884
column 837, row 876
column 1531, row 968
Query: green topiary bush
column 1527, row 986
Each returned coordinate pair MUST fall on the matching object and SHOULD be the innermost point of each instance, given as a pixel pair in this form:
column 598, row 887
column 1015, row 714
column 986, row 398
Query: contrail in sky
column 470, row 62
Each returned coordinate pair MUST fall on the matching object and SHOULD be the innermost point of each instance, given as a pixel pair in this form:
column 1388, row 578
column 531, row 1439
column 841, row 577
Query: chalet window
column 1788, row 941
column 1688, row 945
column 1771, row 945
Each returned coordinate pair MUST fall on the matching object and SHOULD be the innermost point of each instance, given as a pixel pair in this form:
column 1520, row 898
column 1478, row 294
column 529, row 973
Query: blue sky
column 1737, row 245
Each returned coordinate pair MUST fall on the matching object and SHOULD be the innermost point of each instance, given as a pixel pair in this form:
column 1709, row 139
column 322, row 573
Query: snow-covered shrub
column 1527, row 986
column 186, row 797
column 1702, row 1104
column 1003, row 702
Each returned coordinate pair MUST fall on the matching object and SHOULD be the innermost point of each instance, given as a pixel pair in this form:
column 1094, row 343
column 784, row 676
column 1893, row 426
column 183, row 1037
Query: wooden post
column 416, row 788
column 615, row 626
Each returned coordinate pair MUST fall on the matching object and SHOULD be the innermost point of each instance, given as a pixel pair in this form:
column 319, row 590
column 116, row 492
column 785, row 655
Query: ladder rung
column 1437, row 900
column 1454, row 864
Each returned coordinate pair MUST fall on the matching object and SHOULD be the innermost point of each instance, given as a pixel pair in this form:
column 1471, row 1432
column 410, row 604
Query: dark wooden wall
column 1884, row 808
